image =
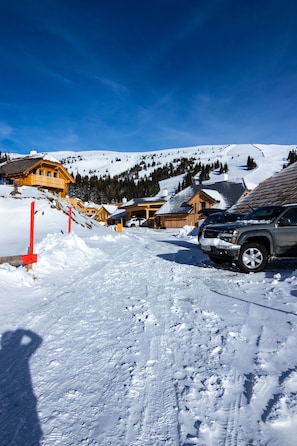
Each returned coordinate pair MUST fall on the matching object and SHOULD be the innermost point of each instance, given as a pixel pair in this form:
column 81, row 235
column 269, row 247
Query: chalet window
column 55, row 174
column 49, row 174
column 203, row 205
column 40, row 172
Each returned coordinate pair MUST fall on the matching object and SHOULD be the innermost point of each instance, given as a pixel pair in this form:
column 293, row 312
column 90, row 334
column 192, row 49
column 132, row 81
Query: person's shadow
column 19, row 422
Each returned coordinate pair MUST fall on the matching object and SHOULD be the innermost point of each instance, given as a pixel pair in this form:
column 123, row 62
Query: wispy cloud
column 117, row 89
column 5, row 130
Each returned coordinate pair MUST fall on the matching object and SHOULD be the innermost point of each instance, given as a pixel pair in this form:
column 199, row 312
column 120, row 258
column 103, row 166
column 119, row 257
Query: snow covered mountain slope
column 269, row 159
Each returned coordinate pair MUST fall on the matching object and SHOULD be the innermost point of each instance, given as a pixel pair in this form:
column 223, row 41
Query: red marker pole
column 69, row 220
column 31, row 247
column 28, row 259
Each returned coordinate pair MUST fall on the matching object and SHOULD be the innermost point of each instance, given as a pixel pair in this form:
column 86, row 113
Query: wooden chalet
column 105, row 211
column 36, row 171
column 280, row 188
column 186, row 207
column 100, row 213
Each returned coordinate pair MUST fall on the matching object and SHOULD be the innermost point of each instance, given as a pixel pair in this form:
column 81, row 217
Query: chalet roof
column 110, row 208
column 91, row 205
column 119, row 213
column 19, row 165
column 226, row 192
column 136, row 201
column 280, row 188
column 217, row 196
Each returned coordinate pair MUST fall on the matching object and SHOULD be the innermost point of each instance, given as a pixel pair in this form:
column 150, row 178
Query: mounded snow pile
column 59, row 251
column 187, row 231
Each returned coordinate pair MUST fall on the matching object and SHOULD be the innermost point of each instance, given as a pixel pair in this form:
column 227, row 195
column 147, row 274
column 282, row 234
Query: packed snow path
column 146, row 342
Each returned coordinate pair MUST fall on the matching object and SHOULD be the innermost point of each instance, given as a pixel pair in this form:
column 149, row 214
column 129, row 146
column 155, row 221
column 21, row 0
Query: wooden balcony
column 44, row 181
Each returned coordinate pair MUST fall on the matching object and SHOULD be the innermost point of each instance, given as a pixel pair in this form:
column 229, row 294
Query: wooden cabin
column 36, row 171
column 104, row 212
column 185, row 208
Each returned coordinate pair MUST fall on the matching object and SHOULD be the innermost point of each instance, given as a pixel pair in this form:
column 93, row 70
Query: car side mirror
column 284, row 222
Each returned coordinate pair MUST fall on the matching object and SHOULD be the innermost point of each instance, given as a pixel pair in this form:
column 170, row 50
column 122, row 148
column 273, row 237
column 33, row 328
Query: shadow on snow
column 19, row 423
column 190, row 255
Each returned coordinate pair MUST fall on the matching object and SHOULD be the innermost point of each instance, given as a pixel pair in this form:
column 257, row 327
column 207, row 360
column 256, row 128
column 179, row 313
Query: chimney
column 33, row 151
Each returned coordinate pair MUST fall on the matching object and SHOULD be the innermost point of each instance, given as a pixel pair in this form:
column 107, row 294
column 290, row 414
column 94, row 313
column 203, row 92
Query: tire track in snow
column 153, row 410
column 153, row 418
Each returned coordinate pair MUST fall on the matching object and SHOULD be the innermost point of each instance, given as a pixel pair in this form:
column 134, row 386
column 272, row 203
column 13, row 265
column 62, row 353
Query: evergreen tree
column 292, row 157
column 251, row 163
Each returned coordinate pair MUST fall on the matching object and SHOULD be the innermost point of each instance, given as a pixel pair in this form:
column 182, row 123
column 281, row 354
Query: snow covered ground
column 136, row 338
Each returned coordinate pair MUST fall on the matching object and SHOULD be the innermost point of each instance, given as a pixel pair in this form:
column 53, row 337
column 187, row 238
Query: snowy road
column 146, row 342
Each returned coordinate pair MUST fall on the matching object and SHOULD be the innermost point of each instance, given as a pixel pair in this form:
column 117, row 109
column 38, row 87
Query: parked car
column 266, row 233
column 218, row 217
column 135, row 221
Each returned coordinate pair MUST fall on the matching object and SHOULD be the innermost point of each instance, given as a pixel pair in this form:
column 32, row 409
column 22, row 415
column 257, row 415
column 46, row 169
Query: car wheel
column 217, row 260
column 253, row 257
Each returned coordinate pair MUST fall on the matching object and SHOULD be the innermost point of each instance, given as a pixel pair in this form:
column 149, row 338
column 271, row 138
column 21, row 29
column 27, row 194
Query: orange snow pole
column 69, row 219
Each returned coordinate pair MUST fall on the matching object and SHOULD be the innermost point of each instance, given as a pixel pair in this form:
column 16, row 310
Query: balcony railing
column 44, row 181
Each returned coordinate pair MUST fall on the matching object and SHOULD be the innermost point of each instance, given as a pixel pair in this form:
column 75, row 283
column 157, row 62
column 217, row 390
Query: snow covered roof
column 226, row 193
column 110, row 208
column 178, row 204
column 90, row 204
column 119, row 213
column 143, row 200
column 219, row 198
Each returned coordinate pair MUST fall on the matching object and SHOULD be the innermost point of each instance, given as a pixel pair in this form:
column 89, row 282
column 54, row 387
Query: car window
column 291, row 215
column 217, row 218
column 265, row 213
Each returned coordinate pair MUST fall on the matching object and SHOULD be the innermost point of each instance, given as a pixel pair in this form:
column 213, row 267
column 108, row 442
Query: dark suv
column 265, row 233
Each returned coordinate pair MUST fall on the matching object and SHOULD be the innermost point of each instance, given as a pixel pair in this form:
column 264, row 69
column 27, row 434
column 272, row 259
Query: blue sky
column 141, row 75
